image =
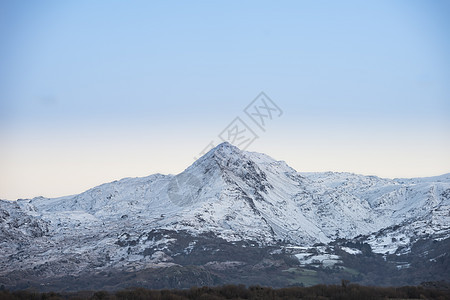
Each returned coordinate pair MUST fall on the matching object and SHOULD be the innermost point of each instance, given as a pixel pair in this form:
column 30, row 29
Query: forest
column 345, row 290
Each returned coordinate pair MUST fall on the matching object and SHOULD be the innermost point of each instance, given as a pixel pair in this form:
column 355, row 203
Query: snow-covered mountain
column 236, row 195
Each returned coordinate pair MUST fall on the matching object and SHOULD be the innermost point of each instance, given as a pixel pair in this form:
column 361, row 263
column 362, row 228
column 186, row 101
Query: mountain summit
column 227, row 197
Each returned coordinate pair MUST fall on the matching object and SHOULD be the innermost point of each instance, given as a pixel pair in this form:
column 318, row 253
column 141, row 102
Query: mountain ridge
column 227, row 195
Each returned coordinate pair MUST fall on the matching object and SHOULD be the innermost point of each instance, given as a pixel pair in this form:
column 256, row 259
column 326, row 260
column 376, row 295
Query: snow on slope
column 236, row 194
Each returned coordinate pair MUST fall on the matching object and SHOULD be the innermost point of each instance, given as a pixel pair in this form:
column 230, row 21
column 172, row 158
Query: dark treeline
column 344, row 291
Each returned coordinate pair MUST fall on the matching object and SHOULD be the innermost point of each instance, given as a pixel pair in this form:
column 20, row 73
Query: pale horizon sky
column 95, row 91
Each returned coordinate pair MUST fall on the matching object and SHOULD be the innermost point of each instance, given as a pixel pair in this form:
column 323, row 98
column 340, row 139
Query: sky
column 94, row 91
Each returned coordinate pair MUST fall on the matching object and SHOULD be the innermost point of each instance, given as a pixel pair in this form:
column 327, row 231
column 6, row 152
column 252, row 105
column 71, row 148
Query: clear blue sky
column 92, row 91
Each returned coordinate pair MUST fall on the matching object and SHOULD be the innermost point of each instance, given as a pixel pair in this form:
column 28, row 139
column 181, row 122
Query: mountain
column 231, row 212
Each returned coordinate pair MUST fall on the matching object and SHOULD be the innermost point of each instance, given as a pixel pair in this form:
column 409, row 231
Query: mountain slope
column 237, row 196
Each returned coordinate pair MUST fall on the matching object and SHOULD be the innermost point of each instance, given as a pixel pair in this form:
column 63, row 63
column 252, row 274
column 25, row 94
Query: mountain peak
column 226, row 153
column 225, row 146
column 221, row 152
